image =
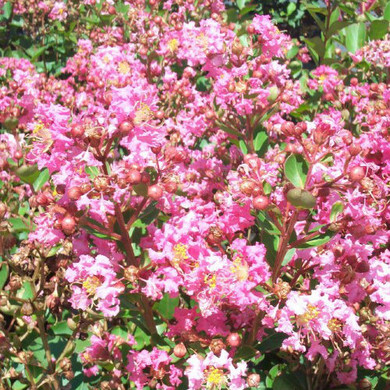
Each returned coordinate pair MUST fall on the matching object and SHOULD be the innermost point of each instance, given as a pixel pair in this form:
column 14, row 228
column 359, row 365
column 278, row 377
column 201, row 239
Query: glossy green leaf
column 28, row 173
column 337, row 208
column 166, row 307
column 296, row 169
column 261, row 143
column 379, row 29
column 355, row 36
column 386, row 12
column 3, row 275
column 318, row 241
column 43, row 177
column 272, row 342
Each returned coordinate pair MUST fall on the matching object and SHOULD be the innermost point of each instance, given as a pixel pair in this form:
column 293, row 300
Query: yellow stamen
column 124, row 67
column 215, row 378
column 91, row 284
column 311, row 313
column 143, row 114
column 211, row 280
column 240, row 269
column 173, row 45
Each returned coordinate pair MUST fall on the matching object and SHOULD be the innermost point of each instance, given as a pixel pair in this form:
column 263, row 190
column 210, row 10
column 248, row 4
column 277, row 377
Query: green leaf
column 296, row 169
column 291, row 8
column 273, row 374
column 289, row 255
column 241, row 3
column 355, row 36
column 386, row 12
column 3, row 275
column 245, row 352
column 19, row 385
column 337, row 26
column 337, row 208
column 261, row 143
column 28, row 173
column 141, row 189
column 92, row 172
column 243, row 147
column 166, row 307
column 18, row 225
column 26, row 291
column 379, row 29
column 288, row 381
column 43, row 177
column 61, row 328
column 318, row 241
column 7, row 9
column 272, row 342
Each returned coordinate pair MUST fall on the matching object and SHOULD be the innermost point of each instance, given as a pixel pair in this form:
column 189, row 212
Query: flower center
column 211, row 280
column 240, row 269
column 311, row 313
column 124, row 67
column 91, row 284
column 143, row 114
column 173, row 45
column 215, row 377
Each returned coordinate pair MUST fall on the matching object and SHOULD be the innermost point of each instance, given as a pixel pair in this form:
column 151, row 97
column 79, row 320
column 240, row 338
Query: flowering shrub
column 182, row 208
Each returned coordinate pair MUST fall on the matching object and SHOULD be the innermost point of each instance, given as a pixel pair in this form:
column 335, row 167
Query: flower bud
column 180, row 350
column 68, row 225
column 155, row 192
column 216, row 346
column 247, row 187
column 27, row 309
column 273, row 94
column 261, row 202
column 74, row 193
column 125, row 127
column 234, row 339
column 356, row 174
column 253, row 380
column 364, row 384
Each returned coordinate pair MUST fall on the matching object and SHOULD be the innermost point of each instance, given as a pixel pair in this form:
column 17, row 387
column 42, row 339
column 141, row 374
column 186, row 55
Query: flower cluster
column 185, row 196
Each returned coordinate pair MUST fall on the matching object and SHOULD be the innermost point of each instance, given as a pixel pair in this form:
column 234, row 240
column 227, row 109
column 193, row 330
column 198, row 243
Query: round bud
column 180, row 350
column 234, row 339
column 125, row 127
column 210, row 114
column 354, row 149
column 364, row 384
column 216, row 346
column 354, row 81
column 42, row 199
column 27, row 309
column 155, row 192
column 18, row 154
column 250, row 29
column 134, row 176
column 253, row 380
column 247, row 187
column 77, row 131
column 74, row 193
column 356, row 174
column 362, row 267
column 68, row 225
column 273, row 94
column 261, row 202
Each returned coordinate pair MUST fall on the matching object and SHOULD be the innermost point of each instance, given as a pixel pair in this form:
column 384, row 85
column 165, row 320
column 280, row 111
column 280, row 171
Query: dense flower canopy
column 185, row 198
